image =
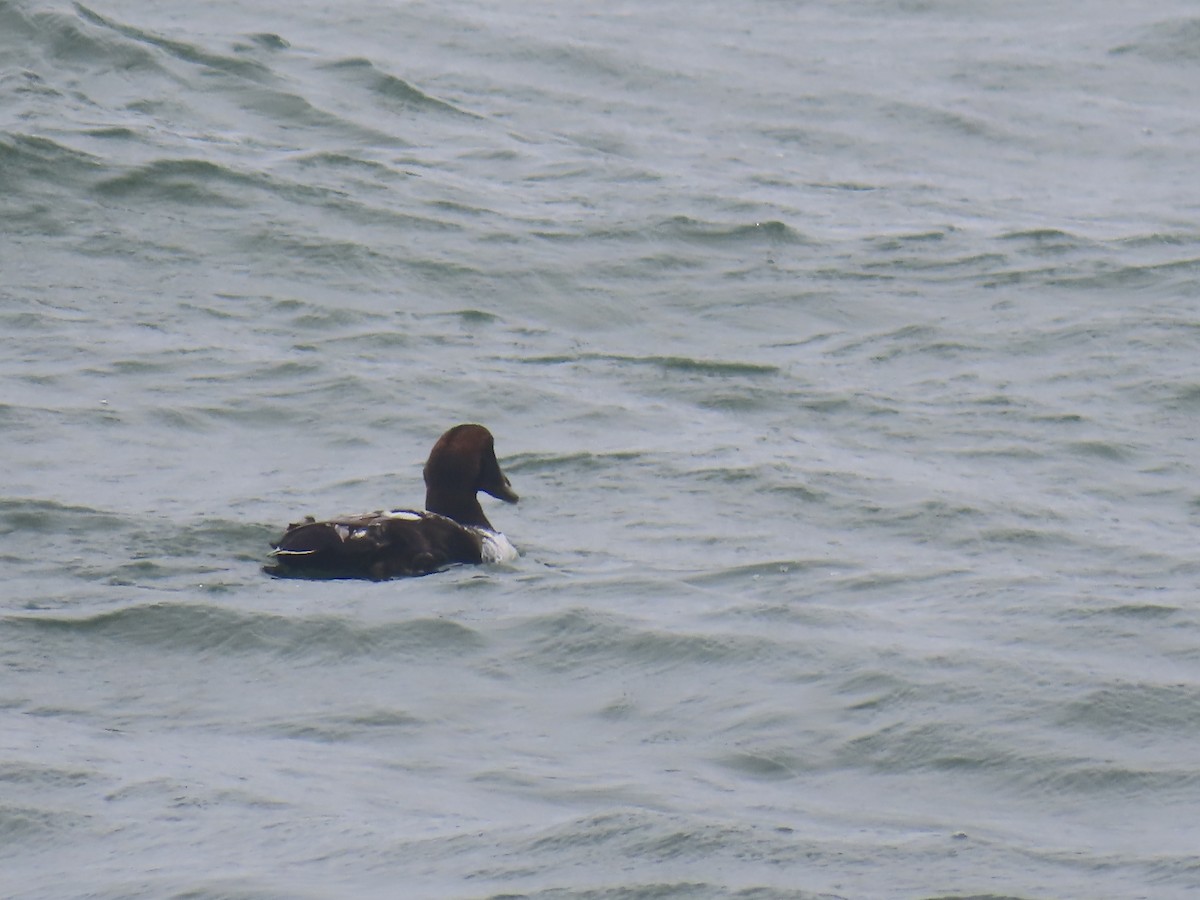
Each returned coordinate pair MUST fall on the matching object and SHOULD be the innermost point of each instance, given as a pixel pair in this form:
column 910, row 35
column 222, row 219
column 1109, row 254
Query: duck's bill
column 503, row 491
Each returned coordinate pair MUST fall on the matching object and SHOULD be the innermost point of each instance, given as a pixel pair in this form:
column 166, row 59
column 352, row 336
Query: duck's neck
column 465, row 510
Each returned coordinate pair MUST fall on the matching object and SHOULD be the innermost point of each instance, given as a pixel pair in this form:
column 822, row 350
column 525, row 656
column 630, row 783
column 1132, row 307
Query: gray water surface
column 844, row 357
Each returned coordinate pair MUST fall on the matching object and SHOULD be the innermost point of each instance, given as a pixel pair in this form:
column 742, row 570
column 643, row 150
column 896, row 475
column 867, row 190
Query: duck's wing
column 361, row 526
column 376, row 545
column 310, row 537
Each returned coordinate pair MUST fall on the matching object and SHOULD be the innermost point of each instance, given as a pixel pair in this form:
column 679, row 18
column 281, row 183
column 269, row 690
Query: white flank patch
column 496, row 547
column 342, row 531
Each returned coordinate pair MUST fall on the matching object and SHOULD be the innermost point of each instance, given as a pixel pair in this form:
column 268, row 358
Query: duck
column 395, row 543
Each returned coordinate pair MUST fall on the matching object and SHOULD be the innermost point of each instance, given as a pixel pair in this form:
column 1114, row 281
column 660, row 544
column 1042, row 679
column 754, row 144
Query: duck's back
column 375, row 545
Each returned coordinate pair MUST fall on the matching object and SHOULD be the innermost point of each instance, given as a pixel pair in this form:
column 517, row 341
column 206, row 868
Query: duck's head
column 462, row 463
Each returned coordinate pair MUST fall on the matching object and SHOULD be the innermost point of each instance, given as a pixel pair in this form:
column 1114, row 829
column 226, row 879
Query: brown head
column 462, row 463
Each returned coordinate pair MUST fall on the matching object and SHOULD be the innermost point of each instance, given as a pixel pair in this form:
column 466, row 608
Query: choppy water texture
column 844, row 357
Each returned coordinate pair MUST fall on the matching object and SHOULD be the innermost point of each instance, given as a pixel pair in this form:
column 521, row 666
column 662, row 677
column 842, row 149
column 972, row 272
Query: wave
column 770, row 231
column 1172, row 41
column 211, row 630
column 181, row 50
column 50, row 517
column 666, row 363
column 392, row 90
column 583, row 639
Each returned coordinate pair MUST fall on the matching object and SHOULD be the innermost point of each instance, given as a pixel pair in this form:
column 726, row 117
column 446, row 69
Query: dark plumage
column 386, row 544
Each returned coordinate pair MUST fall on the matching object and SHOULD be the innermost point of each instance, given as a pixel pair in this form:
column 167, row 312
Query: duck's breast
column 495, row 547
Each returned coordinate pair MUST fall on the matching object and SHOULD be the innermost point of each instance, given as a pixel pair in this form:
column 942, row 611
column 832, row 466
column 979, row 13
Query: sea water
column 844, row 357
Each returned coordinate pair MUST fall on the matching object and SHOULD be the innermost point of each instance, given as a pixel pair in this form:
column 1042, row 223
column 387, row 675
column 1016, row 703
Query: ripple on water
column 211, row 630
column 1119, row 709
column 587, row 640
